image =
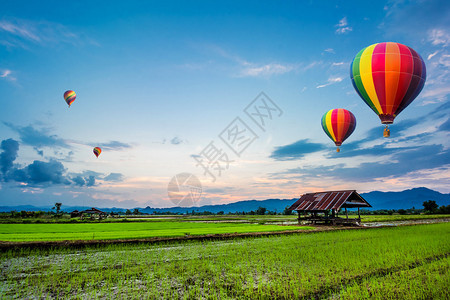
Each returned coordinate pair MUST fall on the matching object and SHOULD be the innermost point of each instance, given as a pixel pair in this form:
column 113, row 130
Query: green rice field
column 165, row 227
column 126, row 230
column 251, row 219
column 405, row 262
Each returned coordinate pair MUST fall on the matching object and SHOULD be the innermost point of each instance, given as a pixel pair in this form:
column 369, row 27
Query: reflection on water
column 405, row 222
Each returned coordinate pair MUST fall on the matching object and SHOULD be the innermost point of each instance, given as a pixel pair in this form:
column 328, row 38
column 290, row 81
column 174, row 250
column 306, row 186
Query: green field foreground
column 126, row 230
column 407, row 262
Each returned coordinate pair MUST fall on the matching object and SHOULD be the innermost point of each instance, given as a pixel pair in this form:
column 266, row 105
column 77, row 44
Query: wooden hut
column 93, row 213
column 323, row 207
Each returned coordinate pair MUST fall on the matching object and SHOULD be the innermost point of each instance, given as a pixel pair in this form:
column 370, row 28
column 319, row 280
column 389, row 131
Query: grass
column 349, row 264
column 125, row 230
column 429, row 281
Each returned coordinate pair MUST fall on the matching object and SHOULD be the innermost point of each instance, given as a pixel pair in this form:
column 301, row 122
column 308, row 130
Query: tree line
column 429, row 207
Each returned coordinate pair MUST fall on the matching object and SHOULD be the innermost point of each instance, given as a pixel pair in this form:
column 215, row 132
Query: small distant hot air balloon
column 388, row 77
column 69, row 96
column 97, row 151
column 338, row 124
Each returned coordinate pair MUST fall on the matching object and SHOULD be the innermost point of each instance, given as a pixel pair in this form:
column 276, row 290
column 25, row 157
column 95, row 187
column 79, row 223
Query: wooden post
column 359, row 217
column 346, row 212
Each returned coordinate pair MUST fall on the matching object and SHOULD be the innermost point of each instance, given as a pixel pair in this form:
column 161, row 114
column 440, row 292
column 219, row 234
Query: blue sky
column 161, row 84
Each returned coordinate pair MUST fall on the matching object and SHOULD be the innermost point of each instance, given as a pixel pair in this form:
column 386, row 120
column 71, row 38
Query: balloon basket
column 338, row 150
column 386, row 132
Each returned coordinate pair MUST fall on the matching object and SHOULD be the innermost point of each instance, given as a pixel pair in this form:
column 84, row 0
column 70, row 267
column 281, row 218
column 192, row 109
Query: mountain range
column 379, row 200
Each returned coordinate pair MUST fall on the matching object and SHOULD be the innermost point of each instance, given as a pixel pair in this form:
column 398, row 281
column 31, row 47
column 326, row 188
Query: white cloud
column 6, row 74
column 331, row 80
column 343, row 22
column 432, row 54
column 444, row 60
column 225, row 54
column 437, row 86
column 21, row 30
column 438, row 94
column 176, row 141
column 267, row 70
column 251, row 69
column 241, row 67
column 329, row 50
column 337, row 64
column 343, row 30
column 439, row 37
column 342, row 26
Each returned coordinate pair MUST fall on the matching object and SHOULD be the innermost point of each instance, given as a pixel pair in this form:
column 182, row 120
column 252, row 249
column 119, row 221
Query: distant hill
column 277, row 205
column 405, row 199
column 379, row 200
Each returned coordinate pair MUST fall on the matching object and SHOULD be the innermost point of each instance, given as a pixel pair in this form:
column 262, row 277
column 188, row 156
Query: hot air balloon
column 388, row 77
column 338, row 124
column 69, row 96
column 97, row 151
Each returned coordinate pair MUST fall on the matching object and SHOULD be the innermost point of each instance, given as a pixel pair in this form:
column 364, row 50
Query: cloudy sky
column 230, row 92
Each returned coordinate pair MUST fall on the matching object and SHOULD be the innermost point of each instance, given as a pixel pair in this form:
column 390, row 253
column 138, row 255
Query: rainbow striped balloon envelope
column 97, row 151
column 388, row 77
column 338, row 124
column 69, row 96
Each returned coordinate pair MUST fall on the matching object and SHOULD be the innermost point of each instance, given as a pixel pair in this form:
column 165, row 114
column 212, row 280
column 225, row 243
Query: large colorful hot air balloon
column 97, row 151
column 388, row 77
column 69, row 96
column 338, row 124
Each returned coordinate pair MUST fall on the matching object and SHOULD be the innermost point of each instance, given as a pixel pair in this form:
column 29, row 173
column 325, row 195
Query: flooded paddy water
column 405, row 222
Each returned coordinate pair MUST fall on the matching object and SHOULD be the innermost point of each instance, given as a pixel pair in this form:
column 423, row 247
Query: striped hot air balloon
column 388, row 77
column 338, row 124
column 97, row 151
column 69, row 96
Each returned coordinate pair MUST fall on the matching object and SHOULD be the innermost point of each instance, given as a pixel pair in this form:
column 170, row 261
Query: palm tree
column 58, row 207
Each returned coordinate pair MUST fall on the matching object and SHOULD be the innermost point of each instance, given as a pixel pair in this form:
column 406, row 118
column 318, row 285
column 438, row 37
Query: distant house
column 323, row 207
column 91, row 213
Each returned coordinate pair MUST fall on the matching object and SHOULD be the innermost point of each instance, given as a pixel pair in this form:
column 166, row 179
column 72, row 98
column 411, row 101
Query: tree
column 261, row 211
column 444, row 209
column 220, row 212
column 128, row 212
column 401, row 211
column 287, row 211
column 430, row 206
column 136, row 212
column 58, row 207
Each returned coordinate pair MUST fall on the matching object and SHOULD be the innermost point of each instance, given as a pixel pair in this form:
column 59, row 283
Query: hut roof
column 323, row 201
column 93, row 210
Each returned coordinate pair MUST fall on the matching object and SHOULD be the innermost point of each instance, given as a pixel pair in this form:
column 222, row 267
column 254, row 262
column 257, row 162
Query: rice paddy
column 125, row 230
column 407, row 262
